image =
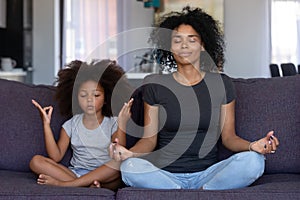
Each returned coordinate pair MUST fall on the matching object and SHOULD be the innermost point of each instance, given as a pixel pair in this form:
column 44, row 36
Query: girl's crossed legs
column 43, row 165
column 52, row 173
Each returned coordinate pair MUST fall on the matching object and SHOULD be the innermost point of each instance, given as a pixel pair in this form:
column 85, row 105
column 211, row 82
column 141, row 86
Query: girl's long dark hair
column 106, row 73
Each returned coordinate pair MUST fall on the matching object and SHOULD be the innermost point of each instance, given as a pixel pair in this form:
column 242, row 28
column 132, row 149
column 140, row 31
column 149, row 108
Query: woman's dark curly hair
column 207, row 28
column 105, row 72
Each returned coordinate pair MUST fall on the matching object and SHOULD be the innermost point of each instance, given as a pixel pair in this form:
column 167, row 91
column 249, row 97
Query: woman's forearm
column 143, row 146
column 236, row 144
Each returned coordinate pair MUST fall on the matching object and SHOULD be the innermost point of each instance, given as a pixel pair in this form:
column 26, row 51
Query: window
column 87, row 27
column 285, row 31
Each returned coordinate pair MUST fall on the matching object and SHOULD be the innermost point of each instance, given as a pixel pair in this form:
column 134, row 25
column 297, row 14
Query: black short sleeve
column 230, row 89
column 149, row 89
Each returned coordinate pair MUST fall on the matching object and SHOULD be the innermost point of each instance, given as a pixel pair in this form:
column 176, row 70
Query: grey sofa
column 262, row 104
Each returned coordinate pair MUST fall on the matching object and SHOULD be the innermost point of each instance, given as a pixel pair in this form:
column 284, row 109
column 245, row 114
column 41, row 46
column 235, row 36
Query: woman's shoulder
column 228, row 86
column 156, row 78
column 224, row 76
column 151, row 77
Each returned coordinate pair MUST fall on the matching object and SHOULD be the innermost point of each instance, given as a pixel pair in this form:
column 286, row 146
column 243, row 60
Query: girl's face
column 186, row 46
column 91, row 97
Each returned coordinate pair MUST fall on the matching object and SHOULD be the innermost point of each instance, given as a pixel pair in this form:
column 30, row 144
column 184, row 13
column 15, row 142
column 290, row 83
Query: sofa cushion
column 21, row 129
column 274, row 187
column 22, row 185
column 265, row 104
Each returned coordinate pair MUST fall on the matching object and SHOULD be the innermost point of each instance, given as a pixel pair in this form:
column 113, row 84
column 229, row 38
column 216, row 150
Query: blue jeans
column 239, row 170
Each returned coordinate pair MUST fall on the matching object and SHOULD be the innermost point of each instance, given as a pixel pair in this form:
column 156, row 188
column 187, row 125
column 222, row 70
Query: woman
column 187, row 111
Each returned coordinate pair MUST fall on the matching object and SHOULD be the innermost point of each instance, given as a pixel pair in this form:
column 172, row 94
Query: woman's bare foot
column 47, row 180
column 95, row 184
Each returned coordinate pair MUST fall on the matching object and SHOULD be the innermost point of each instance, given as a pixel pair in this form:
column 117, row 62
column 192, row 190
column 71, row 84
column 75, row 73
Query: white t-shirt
column 90, row 147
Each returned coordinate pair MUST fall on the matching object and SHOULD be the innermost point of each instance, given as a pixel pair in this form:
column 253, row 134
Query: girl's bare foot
column 47, row 180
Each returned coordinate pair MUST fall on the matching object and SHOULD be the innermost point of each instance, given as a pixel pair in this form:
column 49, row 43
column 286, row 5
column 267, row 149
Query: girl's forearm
column 50, row 143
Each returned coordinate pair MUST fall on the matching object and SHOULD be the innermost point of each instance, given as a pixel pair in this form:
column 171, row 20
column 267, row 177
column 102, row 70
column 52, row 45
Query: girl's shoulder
column 109, row 124
column 75, row 118
column 110, row 120
column 73, row 124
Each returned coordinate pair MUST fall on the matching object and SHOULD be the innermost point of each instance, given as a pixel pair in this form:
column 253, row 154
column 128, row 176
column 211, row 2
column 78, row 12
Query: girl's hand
column 265, row 145
column 118, row 152
column 124, row 115
column 45, row 112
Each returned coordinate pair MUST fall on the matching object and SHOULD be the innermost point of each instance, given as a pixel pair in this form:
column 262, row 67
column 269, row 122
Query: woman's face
column 186, row 46
column 91, row 97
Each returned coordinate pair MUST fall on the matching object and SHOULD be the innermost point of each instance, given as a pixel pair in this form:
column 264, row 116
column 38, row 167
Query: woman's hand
column 124, row 115
column 265, row 145
column 45, row 112
column 118, row 152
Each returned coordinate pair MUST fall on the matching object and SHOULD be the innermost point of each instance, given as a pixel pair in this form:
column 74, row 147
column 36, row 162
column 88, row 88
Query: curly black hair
column 106, row 73
column 208, row 29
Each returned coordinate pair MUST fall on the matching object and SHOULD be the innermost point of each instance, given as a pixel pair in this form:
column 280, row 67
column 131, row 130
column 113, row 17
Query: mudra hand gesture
column 118, row 152
column 265, row 145
column 45, row 112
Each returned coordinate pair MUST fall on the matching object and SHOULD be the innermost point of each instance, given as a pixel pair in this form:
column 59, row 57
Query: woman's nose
column 184, row 44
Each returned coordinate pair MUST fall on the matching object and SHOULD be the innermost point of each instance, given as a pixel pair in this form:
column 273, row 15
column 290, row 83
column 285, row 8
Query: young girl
column 91, row 129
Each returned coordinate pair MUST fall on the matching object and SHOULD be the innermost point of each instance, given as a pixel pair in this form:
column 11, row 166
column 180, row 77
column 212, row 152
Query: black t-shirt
column 189, row 124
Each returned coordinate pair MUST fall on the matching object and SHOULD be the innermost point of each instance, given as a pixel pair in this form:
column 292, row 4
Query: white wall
column 134, row 27
column 247, row 38
column 2, row 13
column 246, row 25
column 45, row 41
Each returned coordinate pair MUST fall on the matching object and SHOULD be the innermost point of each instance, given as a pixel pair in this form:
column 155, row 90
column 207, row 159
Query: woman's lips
column 184, row 54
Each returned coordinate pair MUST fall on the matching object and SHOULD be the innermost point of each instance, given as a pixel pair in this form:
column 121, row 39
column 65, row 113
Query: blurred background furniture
column 274, row 68
column 288, row 69
column 15, row 75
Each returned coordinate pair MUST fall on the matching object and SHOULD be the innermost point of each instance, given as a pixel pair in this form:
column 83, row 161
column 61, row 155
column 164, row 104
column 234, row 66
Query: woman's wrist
column 122, row 126
column 250, row 145
column 131, row 154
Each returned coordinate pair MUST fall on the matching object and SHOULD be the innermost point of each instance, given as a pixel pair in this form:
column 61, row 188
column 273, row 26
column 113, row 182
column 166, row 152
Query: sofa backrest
column 21, row 129
column 265, row 104
column 262, row 105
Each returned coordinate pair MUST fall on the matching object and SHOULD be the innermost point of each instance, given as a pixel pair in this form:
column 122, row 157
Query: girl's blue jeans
column 239, row 170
